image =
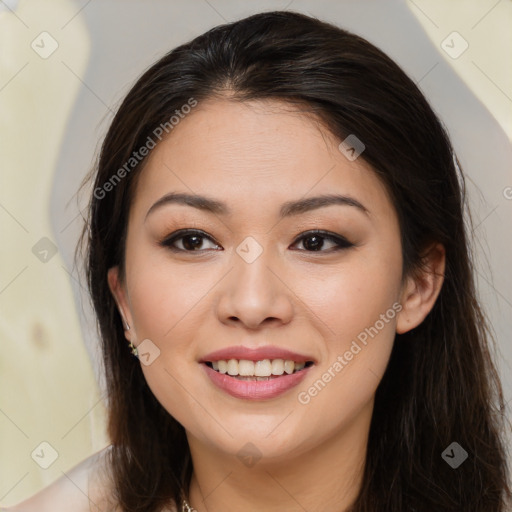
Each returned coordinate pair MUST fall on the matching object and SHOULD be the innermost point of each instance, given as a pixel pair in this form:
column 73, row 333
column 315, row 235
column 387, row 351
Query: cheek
column 165, row 298
column 357, row 307
column 350, row 298
column 352, row 367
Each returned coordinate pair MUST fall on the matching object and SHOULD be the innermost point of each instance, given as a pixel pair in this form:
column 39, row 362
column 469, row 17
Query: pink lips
column 255, row 390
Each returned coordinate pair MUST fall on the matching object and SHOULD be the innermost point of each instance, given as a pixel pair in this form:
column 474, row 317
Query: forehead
column 254, row 154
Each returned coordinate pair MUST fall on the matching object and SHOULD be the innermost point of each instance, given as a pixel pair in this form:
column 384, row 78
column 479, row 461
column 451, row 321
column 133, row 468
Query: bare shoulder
column 86, row 487
column 83, row 488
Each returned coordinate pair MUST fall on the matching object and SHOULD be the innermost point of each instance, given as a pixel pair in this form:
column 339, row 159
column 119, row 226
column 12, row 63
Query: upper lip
column 255, row 354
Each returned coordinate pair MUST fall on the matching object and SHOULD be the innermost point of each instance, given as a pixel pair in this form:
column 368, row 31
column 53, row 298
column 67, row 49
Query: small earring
column 133, row 348
column 127, row 326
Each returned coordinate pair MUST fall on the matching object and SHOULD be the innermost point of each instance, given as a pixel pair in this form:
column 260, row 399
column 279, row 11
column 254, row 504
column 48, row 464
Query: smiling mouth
column 266, row 369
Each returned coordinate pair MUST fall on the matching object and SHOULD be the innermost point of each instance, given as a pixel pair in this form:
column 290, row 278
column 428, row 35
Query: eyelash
column 341, row 242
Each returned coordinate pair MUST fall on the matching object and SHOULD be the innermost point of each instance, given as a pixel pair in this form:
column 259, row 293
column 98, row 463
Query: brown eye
column 190, row 240
column 314, row 241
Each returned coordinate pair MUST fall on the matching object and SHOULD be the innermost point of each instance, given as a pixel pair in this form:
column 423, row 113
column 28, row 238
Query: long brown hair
column 441, row 385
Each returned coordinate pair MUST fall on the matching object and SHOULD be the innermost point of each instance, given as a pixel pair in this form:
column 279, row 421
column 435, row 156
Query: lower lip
column 255, row 390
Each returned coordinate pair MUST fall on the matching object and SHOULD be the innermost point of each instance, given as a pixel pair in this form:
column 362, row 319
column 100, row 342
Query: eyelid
column 340, row 241
column 181, row 233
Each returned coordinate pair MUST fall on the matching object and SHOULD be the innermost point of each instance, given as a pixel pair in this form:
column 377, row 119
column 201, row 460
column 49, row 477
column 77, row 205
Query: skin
column 254, row 157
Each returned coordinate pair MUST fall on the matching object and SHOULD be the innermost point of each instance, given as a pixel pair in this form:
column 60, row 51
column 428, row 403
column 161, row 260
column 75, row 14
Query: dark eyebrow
column 312, row 203
column 287, row 209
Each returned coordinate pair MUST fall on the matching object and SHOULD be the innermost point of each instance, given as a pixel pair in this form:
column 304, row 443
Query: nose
column 255, row 295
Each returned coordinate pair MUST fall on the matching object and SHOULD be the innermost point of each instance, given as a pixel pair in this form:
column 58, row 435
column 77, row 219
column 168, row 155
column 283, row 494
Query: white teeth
column 233, row 367
column 261, row 370
column 277, row 367
column 223, row 366
column 289, row 366
column 246, row 368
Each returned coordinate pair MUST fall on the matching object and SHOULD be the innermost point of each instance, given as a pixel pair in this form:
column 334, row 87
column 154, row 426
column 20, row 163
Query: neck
column 325, row 478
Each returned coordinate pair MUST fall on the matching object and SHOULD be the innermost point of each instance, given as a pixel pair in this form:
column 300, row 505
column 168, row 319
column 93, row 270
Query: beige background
column 48, row 389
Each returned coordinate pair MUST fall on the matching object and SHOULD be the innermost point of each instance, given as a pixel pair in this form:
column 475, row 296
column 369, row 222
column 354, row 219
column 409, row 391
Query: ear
column 421, row 289
column 118, row 291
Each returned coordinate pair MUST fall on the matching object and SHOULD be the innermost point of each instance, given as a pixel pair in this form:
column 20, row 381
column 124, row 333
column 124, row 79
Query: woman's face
column 256, row 284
